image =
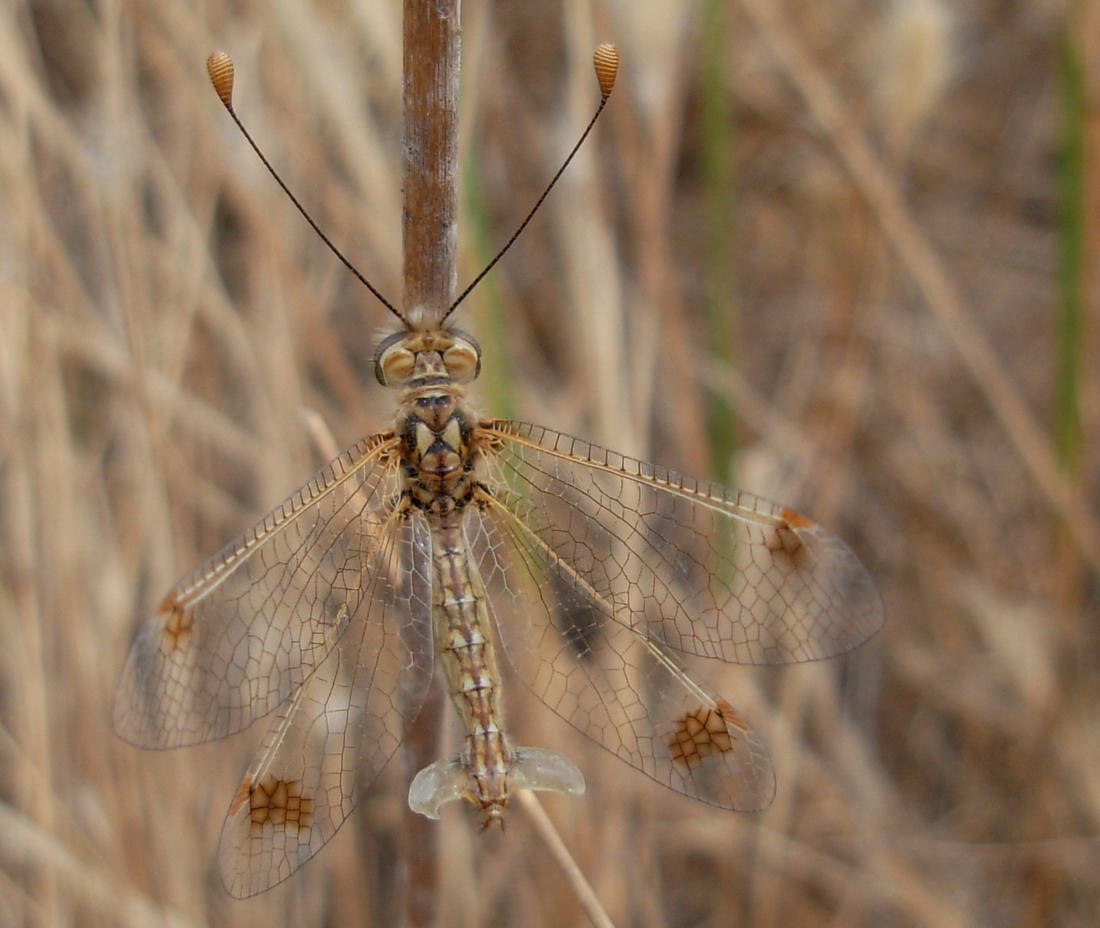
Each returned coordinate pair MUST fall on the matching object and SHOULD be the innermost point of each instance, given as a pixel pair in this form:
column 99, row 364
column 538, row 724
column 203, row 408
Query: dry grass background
column 871, row 302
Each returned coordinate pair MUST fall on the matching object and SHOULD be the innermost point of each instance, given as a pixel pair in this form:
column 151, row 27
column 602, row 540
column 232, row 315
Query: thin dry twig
column 550, row 836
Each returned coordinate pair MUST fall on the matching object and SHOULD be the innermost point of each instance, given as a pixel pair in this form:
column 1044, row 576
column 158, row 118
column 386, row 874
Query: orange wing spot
column 177, row 627
column 703, row 732
column 786, row 537
column 795, row 519
column 730, row 714
column 243, row 792
column 282, row 804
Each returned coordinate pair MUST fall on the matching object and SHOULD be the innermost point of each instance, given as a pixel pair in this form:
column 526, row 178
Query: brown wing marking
column 275, row 804
column 176, row 635
column 705, row 731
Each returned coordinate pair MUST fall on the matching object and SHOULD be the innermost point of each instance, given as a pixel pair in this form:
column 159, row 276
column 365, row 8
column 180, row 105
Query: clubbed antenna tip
column 220, row 68
column 606, row 63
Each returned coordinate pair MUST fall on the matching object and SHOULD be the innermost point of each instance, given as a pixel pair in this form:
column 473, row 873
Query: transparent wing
column 598, row 567
column 329, row 741
column 701, row 568
column 240, row 634
column 619, row 688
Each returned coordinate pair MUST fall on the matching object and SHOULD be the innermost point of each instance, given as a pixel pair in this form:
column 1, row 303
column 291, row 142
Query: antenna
column 220, row 68
column 606, row 64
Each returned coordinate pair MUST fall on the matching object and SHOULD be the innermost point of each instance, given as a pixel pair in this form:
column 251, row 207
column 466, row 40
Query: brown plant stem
column 430, row 158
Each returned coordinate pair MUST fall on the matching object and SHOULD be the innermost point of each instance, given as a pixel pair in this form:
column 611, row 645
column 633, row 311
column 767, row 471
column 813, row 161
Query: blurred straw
column 940, row 292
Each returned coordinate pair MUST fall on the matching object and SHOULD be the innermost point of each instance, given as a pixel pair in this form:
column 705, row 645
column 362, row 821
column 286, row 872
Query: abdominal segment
column 488, row 769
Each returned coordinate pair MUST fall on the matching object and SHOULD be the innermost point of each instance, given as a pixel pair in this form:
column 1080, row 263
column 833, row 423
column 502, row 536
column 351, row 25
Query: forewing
column 704, row 569
column 240, row 634
column 625, row 692
column 330, row 740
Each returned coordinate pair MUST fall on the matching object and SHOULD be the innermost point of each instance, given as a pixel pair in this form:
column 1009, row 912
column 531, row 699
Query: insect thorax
column 436, row 428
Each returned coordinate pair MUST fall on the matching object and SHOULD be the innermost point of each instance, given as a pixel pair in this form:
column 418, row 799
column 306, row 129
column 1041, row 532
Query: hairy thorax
column 436, row 429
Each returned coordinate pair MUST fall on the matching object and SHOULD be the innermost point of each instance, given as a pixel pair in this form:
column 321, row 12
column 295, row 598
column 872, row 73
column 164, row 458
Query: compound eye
column 463, row 358
column 393, row 361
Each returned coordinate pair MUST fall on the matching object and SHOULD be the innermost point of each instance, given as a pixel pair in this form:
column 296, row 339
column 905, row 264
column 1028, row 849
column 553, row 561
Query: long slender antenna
column 606, row 63
column 220, row 68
